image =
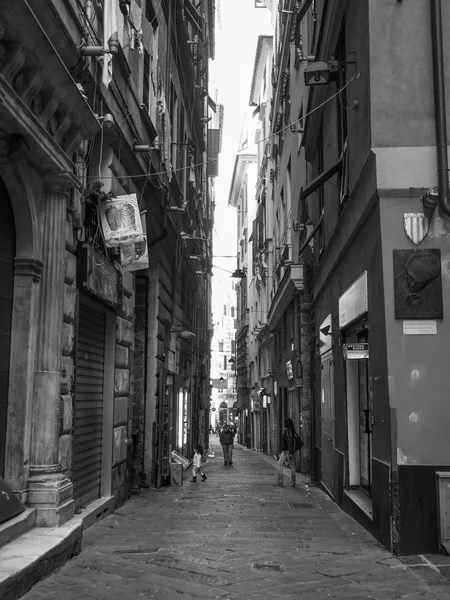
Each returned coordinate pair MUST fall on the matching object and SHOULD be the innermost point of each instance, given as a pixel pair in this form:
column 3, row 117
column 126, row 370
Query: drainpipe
column 439, row 104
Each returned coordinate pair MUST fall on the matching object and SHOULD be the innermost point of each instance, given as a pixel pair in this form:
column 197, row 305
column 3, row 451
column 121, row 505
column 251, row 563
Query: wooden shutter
column 88, row 417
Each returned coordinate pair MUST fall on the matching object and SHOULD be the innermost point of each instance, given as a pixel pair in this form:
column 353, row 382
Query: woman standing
column 290, row 443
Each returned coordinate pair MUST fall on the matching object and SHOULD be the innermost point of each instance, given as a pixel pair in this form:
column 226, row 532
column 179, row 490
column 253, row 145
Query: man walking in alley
column 226, row 439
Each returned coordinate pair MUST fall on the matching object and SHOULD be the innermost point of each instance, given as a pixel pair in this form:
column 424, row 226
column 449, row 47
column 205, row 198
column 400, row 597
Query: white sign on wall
column 353, row 303
column 419, row 327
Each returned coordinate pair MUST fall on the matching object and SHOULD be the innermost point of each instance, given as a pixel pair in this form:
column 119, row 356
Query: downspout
column 439, row 104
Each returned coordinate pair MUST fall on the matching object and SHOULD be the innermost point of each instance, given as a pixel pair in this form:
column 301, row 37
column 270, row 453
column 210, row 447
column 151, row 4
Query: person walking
column 290, row 444
column 197, row 464
column 226, row 439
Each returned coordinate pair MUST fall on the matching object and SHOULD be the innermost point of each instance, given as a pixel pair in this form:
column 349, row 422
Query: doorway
column 359, row 414
column 327, row 421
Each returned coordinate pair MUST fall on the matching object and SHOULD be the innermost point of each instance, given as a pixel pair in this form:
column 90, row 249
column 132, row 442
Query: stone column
column 49, row 491
column 27, row 275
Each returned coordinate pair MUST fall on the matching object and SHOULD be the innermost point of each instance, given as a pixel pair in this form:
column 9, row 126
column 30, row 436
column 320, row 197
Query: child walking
column 197, row 464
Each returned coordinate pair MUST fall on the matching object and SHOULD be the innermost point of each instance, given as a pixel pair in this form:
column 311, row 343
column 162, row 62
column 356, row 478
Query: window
column 225, row 310
column 232, row 312
column 220, row 346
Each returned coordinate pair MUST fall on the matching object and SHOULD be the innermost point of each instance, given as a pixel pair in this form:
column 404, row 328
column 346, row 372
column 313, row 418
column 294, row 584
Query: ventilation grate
column 300, row 505
column 267, row 567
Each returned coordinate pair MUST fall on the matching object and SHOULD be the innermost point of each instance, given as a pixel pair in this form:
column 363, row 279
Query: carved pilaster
column 49, row 491
column 27, row 274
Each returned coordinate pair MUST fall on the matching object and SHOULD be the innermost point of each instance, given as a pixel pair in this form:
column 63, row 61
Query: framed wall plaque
column 418, row 284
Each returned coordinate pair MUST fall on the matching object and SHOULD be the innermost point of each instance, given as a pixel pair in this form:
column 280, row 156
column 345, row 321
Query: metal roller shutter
column 88, row 417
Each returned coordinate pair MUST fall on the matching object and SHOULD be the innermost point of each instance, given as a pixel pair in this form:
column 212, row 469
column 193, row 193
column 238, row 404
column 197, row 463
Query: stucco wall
column 418, row 364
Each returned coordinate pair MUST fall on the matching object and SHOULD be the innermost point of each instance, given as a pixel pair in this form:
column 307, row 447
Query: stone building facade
column 357, row 164
column 100, row 100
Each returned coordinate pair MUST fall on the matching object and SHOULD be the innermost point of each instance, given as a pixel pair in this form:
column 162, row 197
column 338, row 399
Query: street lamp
column 186, row 237
column 183, row 334
column 239, row 274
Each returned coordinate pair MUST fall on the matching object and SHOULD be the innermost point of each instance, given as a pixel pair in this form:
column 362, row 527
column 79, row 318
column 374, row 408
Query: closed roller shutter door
column 88, row 418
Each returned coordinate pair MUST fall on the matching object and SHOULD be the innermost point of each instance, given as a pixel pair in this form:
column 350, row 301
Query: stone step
column 35, row 554
column 19, row 525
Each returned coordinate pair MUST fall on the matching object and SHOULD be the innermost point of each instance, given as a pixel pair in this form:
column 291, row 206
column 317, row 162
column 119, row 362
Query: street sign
column 356, row 351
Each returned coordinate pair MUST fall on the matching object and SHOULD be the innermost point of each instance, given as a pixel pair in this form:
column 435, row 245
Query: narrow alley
column 238, row 536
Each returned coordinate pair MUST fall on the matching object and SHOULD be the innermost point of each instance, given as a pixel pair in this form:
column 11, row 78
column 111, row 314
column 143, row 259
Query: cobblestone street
column 238, row 536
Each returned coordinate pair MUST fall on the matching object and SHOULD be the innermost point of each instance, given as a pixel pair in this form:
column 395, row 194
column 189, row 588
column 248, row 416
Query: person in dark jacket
column 288, row 449
column 226, row 439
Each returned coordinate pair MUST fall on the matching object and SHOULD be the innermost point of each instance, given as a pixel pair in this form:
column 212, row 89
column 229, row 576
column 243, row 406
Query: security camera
column 318, row 73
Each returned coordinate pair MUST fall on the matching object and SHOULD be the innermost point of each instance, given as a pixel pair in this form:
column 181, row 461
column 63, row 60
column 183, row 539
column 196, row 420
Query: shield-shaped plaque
column 416, row 226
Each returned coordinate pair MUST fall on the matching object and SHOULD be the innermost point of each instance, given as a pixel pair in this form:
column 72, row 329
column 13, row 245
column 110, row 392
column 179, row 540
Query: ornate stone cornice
column 29, row 267
column 59, row 181
column 37, row 91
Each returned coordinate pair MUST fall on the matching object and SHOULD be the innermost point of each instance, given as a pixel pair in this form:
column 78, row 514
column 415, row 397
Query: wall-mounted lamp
column 184, row 334
column 296, row 128
column 92, row 51
column 231, row 360
column 106, row 121
column 113, row 44
column 321, row 73
column 186, row 236
column 145, row 147
column 239, row 274
column 430, row 201
column 181, row 208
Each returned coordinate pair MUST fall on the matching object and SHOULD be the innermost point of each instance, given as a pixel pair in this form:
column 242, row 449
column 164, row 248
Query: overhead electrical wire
column 259, row 141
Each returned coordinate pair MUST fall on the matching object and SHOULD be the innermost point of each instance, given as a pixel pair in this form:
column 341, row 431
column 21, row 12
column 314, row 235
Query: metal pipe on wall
column 439, row 104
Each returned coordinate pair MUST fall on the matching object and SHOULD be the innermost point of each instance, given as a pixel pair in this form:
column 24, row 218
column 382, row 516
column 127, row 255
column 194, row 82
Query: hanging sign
column 356, row 351
column 121, row 221
column 99, row 276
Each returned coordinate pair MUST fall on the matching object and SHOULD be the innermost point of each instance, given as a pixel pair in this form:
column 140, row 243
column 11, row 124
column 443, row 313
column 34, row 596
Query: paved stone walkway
column 237, row 536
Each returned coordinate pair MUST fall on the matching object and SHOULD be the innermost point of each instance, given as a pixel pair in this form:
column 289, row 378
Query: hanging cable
column 357, row 76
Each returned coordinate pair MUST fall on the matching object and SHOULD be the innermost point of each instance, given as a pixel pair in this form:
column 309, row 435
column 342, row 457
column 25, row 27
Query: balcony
column 291, row 284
